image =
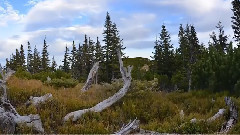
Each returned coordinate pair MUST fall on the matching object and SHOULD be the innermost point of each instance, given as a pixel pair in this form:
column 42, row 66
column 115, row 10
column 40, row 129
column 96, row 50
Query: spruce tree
column 66, row 63
column 113, row 42
column 86, row 63
column 45, row 60
column 22, row 57
column 220, row 41
column 98, row 51
column 73, row 59
column 29, row 58
column 54, row 64
column 36, row 62
column 236, row 20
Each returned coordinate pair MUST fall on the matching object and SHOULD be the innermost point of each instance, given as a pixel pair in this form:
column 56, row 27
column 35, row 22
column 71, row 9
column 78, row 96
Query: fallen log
column 233, row 114
column 9, row 117
column 133, row 128
column 126, row 76
column 91, row 76
column 38, row 100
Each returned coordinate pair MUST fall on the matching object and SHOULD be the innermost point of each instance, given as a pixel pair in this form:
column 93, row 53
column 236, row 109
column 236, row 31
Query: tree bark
column 133, row 128
column 91, row 77
column 232, row 116
column 38, row 100
column 126, row 76
column 9, row 116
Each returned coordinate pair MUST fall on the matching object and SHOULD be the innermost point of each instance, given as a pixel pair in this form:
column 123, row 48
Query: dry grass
column 157, row 111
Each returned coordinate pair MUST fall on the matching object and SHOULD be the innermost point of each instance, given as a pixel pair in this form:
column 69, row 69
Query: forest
column 97, row 89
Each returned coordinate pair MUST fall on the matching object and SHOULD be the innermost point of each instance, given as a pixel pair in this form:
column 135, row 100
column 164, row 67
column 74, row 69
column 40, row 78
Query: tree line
column 79, row 60
column 193, row 65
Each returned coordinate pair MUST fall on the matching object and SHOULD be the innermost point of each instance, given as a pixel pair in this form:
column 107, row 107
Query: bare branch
column 91, row 76
column 126, row 75
column 38, row 100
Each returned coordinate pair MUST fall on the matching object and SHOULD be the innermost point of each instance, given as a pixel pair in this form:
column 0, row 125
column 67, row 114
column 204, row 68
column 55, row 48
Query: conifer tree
column 54, row 64
column 98, row 51
column 29, row 58
column 66, row 63
column 74, row 68
column 113, row 42
column 36, row 62
column 236, row 20
column 22, row 57
column 45, row 60
column 220, row 41
column 163, row 55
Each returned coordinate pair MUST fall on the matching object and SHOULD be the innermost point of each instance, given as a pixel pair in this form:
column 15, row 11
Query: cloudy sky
column 139, row 21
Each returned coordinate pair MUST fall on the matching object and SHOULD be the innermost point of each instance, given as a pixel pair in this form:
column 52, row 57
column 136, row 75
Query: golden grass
column 157, row 111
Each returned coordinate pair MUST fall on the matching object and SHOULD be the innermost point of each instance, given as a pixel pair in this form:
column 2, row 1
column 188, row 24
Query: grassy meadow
column 156, row 110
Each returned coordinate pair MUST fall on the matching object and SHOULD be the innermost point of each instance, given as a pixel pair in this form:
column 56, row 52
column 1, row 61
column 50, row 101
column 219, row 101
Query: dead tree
column 133, row 128
column 38, row 100
column 9, row 117
column 91, row 76
column 126, row 76
column 233, row 114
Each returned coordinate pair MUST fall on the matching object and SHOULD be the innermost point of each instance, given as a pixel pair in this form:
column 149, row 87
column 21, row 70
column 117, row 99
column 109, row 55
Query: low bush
column 63, row 82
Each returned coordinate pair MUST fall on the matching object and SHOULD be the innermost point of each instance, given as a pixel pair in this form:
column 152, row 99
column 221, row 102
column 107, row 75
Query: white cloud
column 9, row 15
column 61, row 13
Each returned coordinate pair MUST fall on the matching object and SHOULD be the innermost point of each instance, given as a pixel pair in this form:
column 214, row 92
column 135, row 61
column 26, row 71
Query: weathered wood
column 130, row 128
column 232, row 116
column 9, row 117
column 91, row 76
column 38, row 100
column 133, row 128
column 217, row 115
column 126, row 76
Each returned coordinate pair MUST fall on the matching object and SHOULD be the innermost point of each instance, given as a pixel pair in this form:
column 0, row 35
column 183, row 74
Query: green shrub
column 23, row 74
column 66, row 83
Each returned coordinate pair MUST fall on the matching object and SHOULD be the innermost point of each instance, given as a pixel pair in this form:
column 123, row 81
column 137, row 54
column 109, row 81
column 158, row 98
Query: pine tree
column 36, row 62
column 74, row 68
column 22, row 57
column 220, row 41
column 66, row 63
column 86, row 63
column 98, row 51
column 79, row 62
column 45, row 60
column 236, row 20
column 54, row 64
column 163, row 55
column 29, row 58
column 113, row 42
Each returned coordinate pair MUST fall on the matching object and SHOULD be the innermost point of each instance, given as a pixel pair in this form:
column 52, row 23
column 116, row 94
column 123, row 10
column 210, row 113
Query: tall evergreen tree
column 113, row 42
column 74, row 67
column 29, row 58
column 236, row 19
column 98, row 51
column 45, row 59
column 22, row 57
column 36, row 62
column 54, row 64
column 66, row 63
column 220, row 41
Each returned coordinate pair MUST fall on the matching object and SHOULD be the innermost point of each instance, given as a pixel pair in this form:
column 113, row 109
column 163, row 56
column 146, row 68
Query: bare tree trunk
column 126, row 76
column 189, row 79
column 232, row 116
column 133, row 128
column 38, row 100
column 8, row 114
column 91, row 77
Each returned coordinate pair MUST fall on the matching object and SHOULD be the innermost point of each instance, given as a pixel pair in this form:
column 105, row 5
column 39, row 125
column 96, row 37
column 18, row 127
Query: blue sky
column 139, row 21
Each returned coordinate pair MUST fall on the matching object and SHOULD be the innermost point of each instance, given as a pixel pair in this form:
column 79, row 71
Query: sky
column 139, row 22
